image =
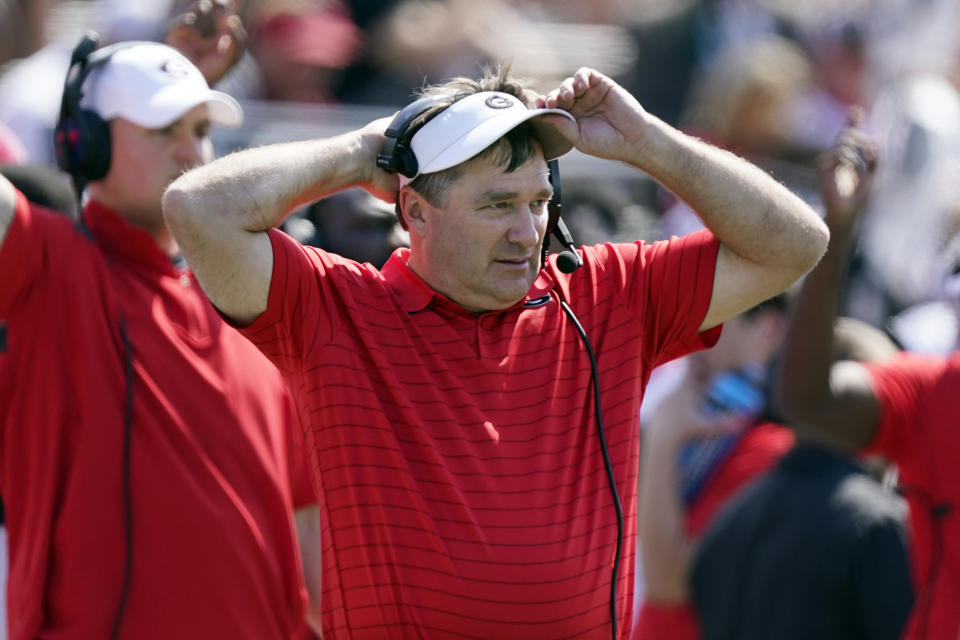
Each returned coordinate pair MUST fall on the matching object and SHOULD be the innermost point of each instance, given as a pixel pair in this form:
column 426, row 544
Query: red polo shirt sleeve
column 293, row 320
column 668, row 286
column 898, row 385
column 672, row 289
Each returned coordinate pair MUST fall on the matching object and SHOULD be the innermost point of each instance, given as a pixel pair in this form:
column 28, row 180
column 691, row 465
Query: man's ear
column 413, row 206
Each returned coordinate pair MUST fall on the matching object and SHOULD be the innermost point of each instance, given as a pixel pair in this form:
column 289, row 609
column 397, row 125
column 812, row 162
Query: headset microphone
column 568, row 260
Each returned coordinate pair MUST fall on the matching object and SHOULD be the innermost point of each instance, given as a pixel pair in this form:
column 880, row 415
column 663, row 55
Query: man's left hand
column 610, row 123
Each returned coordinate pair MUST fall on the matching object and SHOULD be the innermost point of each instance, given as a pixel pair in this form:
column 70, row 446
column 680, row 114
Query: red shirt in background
column 214, row 550
column 919, row 430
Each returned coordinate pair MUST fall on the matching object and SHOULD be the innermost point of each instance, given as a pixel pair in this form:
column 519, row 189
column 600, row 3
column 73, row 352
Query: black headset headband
column 396, row 154
column 81, row 137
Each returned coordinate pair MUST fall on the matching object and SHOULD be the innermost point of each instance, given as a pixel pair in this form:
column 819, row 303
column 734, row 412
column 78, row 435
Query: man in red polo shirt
column 905, row 409
column 148, row 449
column 463, row 487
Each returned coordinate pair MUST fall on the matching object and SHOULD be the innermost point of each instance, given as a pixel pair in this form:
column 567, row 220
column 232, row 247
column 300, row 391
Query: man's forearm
column 749, row 212
column 257, row 188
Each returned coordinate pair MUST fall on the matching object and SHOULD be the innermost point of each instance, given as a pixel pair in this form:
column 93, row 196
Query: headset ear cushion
column 96, row 136
column 407, row 164
column 396, row 154
column 82, row 144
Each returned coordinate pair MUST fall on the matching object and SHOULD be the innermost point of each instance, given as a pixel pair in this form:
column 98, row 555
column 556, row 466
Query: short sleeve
column 899, row 385
column 670, row 290
column 293, row 320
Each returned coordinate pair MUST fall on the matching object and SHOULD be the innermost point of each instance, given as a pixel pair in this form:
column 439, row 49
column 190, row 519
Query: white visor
column 472, row 124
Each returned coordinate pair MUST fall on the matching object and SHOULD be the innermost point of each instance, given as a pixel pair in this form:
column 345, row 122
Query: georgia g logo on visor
column 499, row 102
column 175, row 68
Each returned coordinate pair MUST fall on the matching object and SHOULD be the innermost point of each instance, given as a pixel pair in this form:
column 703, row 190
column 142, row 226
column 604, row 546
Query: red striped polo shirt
column 456, row 458
column 211, row 475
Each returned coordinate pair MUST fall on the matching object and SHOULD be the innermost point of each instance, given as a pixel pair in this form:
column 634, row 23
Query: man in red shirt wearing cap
column 463, row 487
column 905, row 409
column 148, row 457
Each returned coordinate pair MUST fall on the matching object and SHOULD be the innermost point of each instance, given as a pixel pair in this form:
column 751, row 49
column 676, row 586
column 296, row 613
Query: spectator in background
column 835, row 40
column 353, row 224
column 598, row 211
column 30, row 89
column 150, row 465
column 680, row 40
column 702, row 443
column 815, row 548
column 904, row 408
column 22, row 27
column 743, row 102
column 301, row 48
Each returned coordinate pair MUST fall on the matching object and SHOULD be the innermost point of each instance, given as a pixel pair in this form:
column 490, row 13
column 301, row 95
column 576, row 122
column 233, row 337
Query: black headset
column 82, row 144
column 81, row 137
column 396, row 156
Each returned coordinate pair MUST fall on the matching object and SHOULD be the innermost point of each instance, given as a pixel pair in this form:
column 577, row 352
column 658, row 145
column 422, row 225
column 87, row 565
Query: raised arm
column 219, row 213
column 834, row 400
column 769, row 237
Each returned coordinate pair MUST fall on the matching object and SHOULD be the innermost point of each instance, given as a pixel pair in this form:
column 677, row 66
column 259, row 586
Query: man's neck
column 149, row 221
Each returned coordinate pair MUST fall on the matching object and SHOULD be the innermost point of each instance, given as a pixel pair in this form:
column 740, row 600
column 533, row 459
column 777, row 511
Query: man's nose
column 524, row 230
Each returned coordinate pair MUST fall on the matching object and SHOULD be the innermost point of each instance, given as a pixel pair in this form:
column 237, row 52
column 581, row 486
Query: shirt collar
column 415, row 295
column 122, row 240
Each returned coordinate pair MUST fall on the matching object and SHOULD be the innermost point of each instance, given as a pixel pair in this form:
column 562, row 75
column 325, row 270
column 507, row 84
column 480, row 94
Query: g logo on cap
column 498, row 102
column 175, row 68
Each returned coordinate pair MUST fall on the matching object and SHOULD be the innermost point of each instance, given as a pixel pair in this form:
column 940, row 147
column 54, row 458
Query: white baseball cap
column 153, row 85
column 472, row 124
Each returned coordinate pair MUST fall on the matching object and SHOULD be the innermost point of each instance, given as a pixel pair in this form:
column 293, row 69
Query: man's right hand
column 382, row 184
